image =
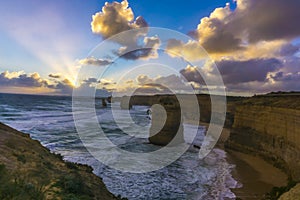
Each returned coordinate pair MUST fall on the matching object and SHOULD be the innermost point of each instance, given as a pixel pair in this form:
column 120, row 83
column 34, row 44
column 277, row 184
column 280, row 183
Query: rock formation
column 269, row 127
column 166, row 124
column 293, row 194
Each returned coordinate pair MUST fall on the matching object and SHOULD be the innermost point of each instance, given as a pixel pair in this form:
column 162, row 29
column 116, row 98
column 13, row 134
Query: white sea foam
column 187, row 178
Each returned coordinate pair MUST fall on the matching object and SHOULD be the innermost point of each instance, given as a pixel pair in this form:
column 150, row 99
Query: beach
column 254, row 175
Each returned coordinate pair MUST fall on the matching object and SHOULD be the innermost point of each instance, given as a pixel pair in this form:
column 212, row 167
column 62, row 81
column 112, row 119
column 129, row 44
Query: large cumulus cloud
column 252, row 21
column 115, row 18
column 118, row 17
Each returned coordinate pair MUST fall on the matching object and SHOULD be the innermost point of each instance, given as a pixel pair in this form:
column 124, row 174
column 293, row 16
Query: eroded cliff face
column 269, row 127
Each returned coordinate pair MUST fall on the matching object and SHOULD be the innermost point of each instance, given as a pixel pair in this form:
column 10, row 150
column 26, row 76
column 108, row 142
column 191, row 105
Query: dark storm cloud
column 237, row 72
column 289, row 50
column 286, row 77
column 192, row 75
column 270, row 20
column 234, row 72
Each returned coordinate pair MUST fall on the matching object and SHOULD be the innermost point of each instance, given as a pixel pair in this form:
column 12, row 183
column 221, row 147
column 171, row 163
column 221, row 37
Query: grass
column 73, row 188
column 17, row 188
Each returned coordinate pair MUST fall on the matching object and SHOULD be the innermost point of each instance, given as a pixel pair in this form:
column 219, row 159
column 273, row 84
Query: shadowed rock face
column 166, row 124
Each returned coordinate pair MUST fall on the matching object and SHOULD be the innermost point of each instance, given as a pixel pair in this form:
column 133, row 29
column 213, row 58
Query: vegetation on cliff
column 30, row 171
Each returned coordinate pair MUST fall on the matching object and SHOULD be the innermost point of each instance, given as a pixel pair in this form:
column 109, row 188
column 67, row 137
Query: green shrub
column 71, row 165
column 72, row 186
column 21, row 158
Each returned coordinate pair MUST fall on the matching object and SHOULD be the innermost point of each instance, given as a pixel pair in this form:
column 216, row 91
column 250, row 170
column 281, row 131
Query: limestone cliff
column 269, row 126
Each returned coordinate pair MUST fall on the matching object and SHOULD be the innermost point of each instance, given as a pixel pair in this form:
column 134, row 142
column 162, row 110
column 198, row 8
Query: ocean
column 49, row 119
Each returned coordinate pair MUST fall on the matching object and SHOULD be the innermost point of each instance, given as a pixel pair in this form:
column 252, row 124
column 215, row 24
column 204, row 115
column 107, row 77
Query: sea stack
column 166, row 124
column 125, row 103
column 104, row 104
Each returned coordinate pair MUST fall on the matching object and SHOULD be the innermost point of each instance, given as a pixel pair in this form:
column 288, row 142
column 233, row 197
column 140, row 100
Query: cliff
column 269, row 126
column 266, row 125
column 293, row 194
column 30, row 171
column 203, row 103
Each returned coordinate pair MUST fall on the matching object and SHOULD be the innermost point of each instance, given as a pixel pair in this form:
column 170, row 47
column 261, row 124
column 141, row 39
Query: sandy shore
column 256, row 176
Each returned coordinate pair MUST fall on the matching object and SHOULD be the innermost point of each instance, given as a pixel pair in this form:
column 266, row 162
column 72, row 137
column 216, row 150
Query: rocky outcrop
column 293, row 194
column 166, row 126
column 30, row 171
column 269, row 127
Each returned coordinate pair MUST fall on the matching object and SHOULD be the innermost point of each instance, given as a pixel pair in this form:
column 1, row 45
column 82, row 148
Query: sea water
column 49, row 119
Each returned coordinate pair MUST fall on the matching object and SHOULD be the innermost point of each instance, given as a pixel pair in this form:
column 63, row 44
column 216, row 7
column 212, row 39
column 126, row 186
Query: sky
column 252, row 44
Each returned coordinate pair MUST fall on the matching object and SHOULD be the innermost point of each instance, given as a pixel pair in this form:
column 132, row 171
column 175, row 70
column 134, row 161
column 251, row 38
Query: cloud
column 58, row 85
column 289, row 50
column 252, row 21
column 34, row 82
column 147, row 50
column 213, row 34
column 118, row 17
column 129, row 81
column 192, row 74
column 94, row 62
column 115, row 18
column 151, row 89
column 90, row 81
column 235, row 72
column 190, row 51
column 55, row 76
column 173, row 82
column 268, row 20
column 64, row 87
column 143, row 79
column 20, row 79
